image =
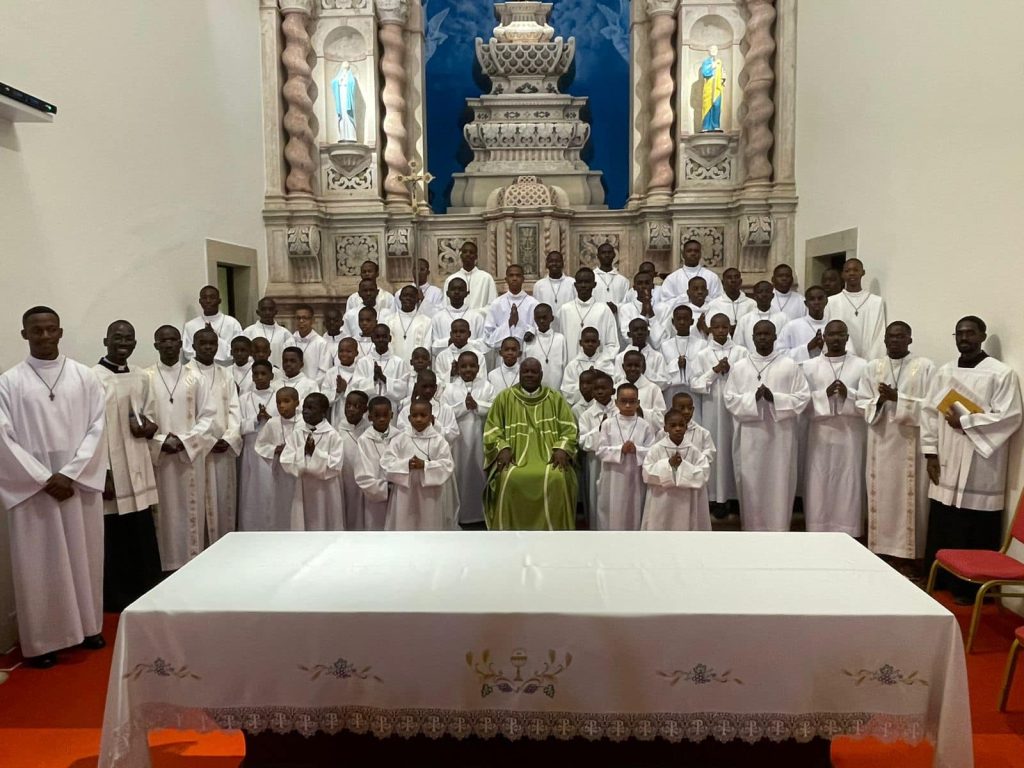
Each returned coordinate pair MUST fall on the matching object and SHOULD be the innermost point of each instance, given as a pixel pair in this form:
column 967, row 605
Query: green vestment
column 531, row 494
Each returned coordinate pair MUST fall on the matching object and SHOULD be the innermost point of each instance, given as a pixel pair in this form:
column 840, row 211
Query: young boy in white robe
column 444, row 417
column 277, row 336
column 657, row 372
column 586, row 390
column 419, row 361
column 586, row 311
column 313, row 455
column 459, row 341
column 862, row 311
column 548, row 346
column 787, row 301
column 241, row 363
column 366, row 321
column 679, row 350
column 652, row 400
column 370, row 475
column 511, row 314
column 765, row 393
column 676, row 470
column 506, row 372
column 261, row 350
column 274, row 512
column 131, row 560
column 557, row 288
column 456, row 308
column 640, row 304
column 764, row 295
column 892, row 394
column 610, row 285
column 470, row 399
column 317, row 356
column 410, row 326
column 381, row 299
column 294, row 374
column 334, row 319
column 732, row 302
column 256, row 481
column 601, row 407
column 381, row 371
column 225, row 326
column 590, row 355
column 222, row 460
column 337, row 382
column 708, row 378
column 834, row 497
column 419, row 464
column 622, row 444
column 350, row 428
column 185, row 410
column 367, row 296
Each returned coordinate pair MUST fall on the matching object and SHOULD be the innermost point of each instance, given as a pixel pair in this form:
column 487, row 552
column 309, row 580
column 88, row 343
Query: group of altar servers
column 689, row 396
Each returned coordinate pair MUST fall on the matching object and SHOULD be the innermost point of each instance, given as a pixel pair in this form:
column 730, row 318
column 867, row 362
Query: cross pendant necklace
column 856, row 307
column 764, row 367
column 170, row 390
column 55, row 381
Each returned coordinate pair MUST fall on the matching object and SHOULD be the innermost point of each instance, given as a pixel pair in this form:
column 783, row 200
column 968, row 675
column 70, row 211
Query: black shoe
column 45, row 661
column 94, row 642
column 719, row 511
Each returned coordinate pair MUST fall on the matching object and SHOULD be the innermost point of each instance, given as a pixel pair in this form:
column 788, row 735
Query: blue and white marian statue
column 344, row 88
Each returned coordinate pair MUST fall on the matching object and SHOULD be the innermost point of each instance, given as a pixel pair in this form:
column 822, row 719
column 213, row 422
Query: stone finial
column 296, row 6
column 393, row 11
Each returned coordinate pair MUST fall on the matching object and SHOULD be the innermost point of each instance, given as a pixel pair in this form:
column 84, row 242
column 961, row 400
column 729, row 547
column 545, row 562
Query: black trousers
column 131, row 560
column 958, row 528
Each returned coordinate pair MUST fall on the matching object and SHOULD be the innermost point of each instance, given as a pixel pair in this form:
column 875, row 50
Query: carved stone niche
column 712, row 240
column 304, row 253
column 657, row 244
column 710, row 157
column 526, row 220
column 587, row 244
column 399, row 256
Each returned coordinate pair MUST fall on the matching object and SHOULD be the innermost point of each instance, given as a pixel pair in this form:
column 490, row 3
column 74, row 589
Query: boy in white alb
column 419, row 464
column 294, row 375
column 640, row 303
column 317, row 357
column 225, row 326
column 426, row 388
column 313, row 454
column 656, row 370
column 410, row 326
column 652, row 400
column 338, row 379
column 590, row 355
column 547, row 346
column 511, row 314
column 470, row 398
column 456, row 308
column 862, row 311
column 479, row 283
column 241, row 363
column 256, row 489
column 679, row 351
column 600, row 408
column 268, row 328
column 733, row 302
column 382, row 301
column 381, row 372
column 610, row 287
column 506, row 372
column 676, row 470
column 350, row 427
column 276, row 511
column 585, row 311
column 787, row 301
column 621, row 447
column 764, row 295
column 369, row 472
column 459, row 341
column 557, row 288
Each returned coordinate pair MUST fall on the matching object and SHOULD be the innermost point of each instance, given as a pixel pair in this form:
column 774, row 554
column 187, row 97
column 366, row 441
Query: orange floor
column 52, row 718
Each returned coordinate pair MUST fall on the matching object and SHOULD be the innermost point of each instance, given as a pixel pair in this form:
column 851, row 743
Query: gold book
column 953, row 396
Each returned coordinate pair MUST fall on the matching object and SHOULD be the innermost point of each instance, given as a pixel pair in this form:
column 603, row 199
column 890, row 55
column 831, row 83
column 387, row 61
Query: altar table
column 534, row 635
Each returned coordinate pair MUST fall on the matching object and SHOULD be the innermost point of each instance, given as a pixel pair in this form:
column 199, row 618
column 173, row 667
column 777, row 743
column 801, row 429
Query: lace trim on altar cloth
column 489, row 724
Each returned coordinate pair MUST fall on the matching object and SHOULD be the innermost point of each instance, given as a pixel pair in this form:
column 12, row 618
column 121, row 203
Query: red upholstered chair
column 991, row 570
column 1011, row 662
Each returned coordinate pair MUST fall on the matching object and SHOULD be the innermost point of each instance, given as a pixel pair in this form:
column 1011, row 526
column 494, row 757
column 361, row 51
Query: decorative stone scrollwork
column 351, row 251
column 304, row 241
column 508, row 62
column 528, row 248
column 695, row 170
column 355, row 5
column 527, row 136
column 659, row 235
column 711, row 237
column 393, row 11
column 589, row 243
column 397, row 241
column 756, row 231
column 526, row 192
column 448, row 253
column 338, row 182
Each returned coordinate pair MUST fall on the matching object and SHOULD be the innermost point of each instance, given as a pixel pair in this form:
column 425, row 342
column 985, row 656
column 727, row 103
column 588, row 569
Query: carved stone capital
column 660, row 7
column 393, row 11
column 297, row 6
column 756, row 230
column 304, row 241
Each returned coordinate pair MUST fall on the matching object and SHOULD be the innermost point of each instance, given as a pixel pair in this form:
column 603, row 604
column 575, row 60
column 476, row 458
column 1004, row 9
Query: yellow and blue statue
column 714, row 83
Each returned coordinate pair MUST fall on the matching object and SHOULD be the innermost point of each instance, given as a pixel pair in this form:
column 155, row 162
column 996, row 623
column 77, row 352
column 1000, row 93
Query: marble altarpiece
column 333, row 202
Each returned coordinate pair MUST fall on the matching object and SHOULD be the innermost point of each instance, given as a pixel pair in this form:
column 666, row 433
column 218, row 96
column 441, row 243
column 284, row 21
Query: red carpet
column 52, row 718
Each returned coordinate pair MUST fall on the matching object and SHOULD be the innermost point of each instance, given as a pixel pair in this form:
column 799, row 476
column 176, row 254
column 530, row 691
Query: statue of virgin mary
column 344, row 88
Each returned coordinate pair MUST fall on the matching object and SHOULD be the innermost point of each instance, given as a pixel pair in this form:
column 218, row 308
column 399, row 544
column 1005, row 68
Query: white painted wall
column 157, row 146
column 908, row 117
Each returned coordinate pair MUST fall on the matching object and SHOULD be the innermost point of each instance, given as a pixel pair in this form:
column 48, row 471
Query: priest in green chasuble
column 529, row 445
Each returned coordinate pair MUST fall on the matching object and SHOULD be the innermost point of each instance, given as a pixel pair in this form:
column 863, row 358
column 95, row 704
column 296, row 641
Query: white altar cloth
column 512, row 634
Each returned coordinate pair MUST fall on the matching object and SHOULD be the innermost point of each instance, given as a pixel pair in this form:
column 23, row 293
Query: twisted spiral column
column 300, row 150
column 392, row 66
column 663, row 56
column 758, row 79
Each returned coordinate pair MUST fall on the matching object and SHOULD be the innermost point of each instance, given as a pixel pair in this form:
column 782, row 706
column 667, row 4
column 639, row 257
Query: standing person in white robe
column 972, row 411
column 587, row 312
column 765, row 393
column 834, row 498
column 221, row 461
column 429, row 298
column 733, row 302
column 241, row 363
column 656, row 370
column 862, row 311
column 456, row 308
column 622, row 444
column 506, row 372
column 446, row 360
column 334, row 319
column 679, row 351
column 410, row 325
column 470, row 397
column 710, row 373
column 590, row 355
column 610, row 286
column 480, row 284
column 338, row 379
column 652, row 400
column 557, row 289
column 275, row 510
column 317, row 357
column 185, row 410
column 367, row 296
column 891, row 394
column 256, row 478
column 548, row 346
column 600, row 408
column 764, row 295
column 52, row 472
column 382, row 301
column 268, row 328
column 640, row 303
column 380, row 371
column 804, row 338
column 131, row 560
column 350, row 428
column 675, row 285
column 313, row 455
column 294, row 374
column 444, row 421
column 787, row 300
column 511, row 314
column 225, row 326
column 369, row 474
column 419, row 464
column 676, row 470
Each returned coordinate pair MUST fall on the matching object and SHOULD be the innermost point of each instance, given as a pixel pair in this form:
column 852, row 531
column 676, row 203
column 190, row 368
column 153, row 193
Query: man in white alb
column 675, row 285
column 225, row 326
column 317, row 357
column 511, row 314
column 480, row 284
column 862, row 311
column 556, row 289
column 268, row 328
